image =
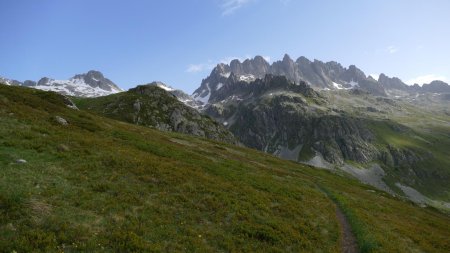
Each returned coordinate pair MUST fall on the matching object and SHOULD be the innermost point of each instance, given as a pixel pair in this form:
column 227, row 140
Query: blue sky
column 179, row 41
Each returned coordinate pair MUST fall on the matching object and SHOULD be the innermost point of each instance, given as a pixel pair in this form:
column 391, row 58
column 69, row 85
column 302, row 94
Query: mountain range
column 75, row 180
column 90, row 84
column 337, row 118
column 96, row 168
column 312, row 112
column 317, row 74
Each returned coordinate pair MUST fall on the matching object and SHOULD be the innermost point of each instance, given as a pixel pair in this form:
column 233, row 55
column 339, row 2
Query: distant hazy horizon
column 179, row 42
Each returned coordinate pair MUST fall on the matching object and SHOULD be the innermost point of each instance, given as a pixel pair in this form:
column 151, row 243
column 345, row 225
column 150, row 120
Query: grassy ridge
column 102, row 185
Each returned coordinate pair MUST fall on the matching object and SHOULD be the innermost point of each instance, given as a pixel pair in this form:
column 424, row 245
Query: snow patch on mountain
column 204, row 95
column 354, row 84
column 226, row 75
column 164, row 86
column 90, row 84
column 75, row 87
column 247, row 78
column 9, row 81
column 338, row 86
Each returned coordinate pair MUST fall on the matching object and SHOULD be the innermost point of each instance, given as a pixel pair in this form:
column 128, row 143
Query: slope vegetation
column 152, row 106
column 93, row 184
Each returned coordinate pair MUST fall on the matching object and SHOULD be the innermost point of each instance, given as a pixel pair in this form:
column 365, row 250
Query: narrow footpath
column 348, row 239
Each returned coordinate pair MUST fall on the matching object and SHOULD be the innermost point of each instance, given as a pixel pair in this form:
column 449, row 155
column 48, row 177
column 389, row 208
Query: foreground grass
column 102, row 185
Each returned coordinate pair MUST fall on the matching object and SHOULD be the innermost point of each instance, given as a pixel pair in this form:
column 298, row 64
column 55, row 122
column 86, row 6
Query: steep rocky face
column 295, row 122
column 392, row 83
column 152, row 106
column 257, row 67
column 289, row 120
column 287, row 67
column 271, row 128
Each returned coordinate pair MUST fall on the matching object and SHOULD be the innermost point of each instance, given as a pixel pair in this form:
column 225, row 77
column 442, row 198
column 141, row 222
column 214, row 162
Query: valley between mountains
column 278, row 156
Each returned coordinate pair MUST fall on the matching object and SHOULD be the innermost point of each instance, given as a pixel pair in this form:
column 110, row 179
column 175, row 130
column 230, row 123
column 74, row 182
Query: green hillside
column 151, row 106
column 101, row 185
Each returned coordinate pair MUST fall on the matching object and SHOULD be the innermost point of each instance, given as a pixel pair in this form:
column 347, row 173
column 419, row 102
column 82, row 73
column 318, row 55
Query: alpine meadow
column 211, row 126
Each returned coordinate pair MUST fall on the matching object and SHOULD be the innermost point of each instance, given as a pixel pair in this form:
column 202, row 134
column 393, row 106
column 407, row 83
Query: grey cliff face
column 392, row 83
column 275, row 115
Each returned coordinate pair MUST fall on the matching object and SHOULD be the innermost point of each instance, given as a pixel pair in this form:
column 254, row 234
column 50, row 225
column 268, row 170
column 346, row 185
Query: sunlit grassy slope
column 99, row 185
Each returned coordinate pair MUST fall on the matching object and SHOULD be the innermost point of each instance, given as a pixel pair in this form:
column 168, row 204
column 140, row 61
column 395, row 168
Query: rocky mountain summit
column 90, row 84
column 342, row 128
column 9, row 81
column 154, row 106
column 319, row 75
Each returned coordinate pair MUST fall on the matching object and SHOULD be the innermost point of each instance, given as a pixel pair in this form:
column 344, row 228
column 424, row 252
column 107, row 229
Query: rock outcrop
column 152, row 106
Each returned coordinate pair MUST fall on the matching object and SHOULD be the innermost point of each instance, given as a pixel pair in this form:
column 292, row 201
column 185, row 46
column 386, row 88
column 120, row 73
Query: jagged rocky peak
column 287, row 59
column 334, row 65
column 436, row 87
column 96, row 79
column 319, row 75
column 303, row 61
column 286, row 64
column 257, row 66
column 221, row 69
column 353, row 74
column 92, row 74
column 391, row 83
column 44, row 81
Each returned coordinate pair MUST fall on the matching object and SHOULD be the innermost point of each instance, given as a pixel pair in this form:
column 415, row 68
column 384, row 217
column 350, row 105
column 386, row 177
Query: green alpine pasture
column 100, row 185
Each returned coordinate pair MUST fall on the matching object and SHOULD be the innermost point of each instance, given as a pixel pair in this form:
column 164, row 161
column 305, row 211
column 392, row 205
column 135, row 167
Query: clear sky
column 179, row 41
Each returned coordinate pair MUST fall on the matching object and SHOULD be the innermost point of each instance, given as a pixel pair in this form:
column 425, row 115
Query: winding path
column 348, row 239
